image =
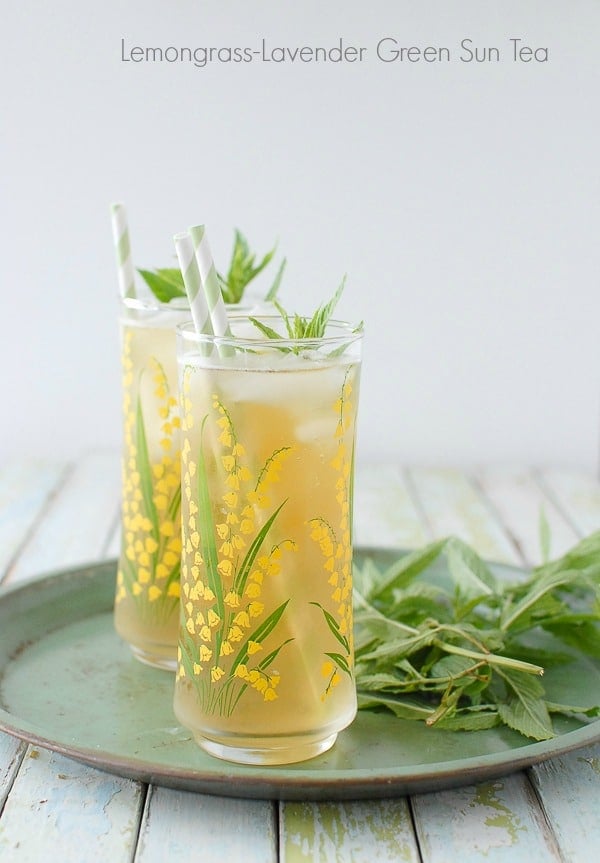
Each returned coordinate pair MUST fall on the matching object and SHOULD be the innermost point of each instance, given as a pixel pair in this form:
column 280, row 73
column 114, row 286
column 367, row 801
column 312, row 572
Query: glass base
column 278, row 752
column 167, row 663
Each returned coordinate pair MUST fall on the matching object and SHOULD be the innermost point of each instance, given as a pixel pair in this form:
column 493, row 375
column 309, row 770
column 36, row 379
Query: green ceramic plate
column 68, row 683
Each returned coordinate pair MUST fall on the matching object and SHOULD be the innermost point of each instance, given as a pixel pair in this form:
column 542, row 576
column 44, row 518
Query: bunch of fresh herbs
column 442, row 637
column 167, row 283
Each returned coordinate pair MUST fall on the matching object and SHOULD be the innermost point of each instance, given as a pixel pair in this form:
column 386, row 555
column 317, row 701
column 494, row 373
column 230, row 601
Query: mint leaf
column 274, row 289
column 578, row 630
column 568, row 710
column 165, row 284
column 242, row 269
column 471, row 576
column 267, row 331
column 405, row 570
column 524, row 709
column 584, row 555
column 452, row 667
column 545, row 535
column 470, row 721
column 403, row 708
column 537, row 590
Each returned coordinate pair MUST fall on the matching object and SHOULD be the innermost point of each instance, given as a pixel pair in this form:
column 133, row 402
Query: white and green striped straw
column 210, row 281
column 123, row 250
column 193, row 283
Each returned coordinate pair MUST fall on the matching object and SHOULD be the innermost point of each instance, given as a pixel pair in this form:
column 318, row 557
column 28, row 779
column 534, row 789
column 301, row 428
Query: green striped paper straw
column 193, row 283
column 210, row 281
column 123, row 250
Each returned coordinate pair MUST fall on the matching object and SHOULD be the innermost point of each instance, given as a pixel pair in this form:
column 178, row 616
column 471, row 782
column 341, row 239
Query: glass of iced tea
column 265, row 658
column 146, row 611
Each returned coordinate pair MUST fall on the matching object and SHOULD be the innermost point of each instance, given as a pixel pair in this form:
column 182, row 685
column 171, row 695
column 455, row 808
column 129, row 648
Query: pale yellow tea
column 147, row 593
column 265, row 647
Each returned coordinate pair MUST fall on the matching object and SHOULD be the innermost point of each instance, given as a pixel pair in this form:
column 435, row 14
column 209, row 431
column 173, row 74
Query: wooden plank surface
column 186, row 827
column 59, row 807
column 575, row 494
column 347, row 832
column 25, row 489
column 494, row 821
column 451, row 505
column 522, row 505
column 78, row 521
column 385, row 511
column 569, row 789
column 11, row 755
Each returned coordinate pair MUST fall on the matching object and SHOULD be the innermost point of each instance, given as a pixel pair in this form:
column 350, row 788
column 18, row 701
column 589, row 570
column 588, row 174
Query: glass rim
column 346, row 334
column 153, row 304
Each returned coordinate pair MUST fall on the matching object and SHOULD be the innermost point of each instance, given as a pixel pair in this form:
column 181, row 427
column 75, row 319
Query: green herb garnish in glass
column 298, row 327
column 167, row 283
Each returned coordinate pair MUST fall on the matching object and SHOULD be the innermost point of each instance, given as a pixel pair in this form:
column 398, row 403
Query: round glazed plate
column 68, row 683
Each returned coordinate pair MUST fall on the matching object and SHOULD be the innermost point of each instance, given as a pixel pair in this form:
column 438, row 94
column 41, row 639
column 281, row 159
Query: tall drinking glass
column 146, row 611
column 265, row 662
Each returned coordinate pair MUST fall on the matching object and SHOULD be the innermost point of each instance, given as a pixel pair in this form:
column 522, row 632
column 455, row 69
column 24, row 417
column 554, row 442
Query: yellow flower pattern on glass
column 335, row 544
column 151, row 493
column 226, row 561
column 229, row 642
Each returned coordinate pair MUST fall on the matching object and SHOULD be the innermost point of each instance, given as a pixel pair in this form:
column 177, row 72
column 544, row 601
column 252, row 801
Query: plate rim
column 281, row 782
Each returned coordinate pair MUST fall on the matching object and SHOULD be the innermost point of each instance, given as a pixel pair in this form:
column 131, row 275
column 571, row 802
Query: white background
column 461, row 199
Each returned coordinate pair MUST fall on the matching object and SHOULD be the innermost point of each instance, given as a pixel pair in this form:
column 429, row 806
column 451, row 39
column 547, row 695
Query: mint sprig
column 243, row 269
column 167, row 283
column 298, row 328
column 460, row 648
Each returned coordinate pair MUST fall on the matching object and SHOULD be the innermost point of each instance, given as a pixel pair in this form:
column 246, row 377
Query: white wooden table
column 55, row 515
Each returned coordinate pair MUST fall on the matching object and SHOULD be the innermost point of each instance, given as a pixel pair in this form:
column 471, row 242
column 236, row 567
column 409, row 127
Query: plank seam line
column 277, row 807
column 493, row 511
column 533, row 784
column 142, row 819
column 415, row 827
column 13, row 773
column 67, row 472
column 548, row 492
column 413, row 493
column 114, row 527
